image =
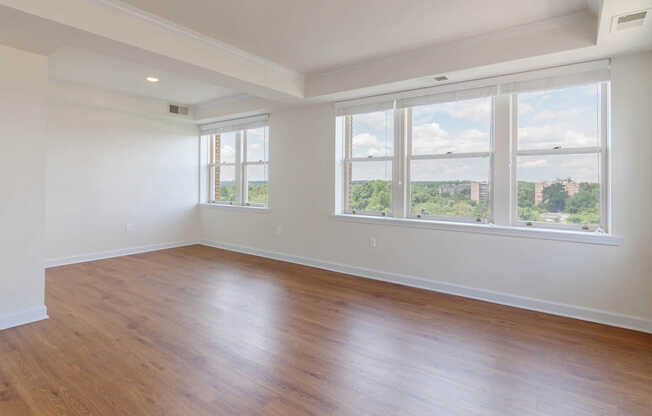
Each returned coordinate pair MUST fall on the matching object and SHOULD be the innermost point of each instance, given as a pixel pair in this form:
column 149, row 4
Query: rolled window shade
column 555, row 82
column 541, row 79
column 435, row 95
column 244, row 123
column 364, row 105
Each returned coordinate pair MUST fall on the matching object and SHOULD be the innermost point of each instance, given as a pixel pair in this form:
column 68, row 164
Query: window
column 369, row 152
column 559, row 157
column 518, row 151
column 238, row 163
column 224, row 169
column 449, row 160
column 255, row 165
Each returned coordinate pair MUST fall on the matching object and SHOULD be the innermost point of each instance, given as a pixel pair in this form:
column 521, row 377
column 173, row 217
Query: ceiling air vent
column 441, row 78
column 629, row 20
column 181, row 110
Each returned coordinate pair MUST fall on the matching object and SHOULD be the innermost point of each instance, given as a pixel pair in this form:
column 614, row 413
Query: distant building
column 479, row 191
column 569, row 185
column 453, row 188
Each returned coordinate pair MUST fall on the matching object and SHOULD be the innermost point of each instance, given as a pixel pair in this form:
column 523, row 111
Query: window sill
column 241, row 208
column 489, row 229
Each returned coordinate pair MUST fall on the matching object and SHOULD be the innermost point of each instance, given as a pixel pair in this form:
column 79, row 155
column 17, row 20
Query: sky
column 566, row 117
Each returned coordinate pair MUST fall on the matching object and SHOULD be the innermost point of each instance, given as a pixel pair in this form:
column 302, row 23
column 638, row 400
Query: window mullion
column 244, row 182
column 451, row 156
column 238, row 167
column 560, row 151
column 501, row 161
column 606, row 208
column 211, row 169
column 371, row 159
column 408, row 162
column 398, row 168
column 513, row 155
column 348, row 166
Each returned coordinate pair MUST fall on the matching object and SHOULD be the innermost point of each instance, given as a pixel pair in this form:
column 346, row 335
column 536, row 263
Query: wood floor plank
column 201, row 331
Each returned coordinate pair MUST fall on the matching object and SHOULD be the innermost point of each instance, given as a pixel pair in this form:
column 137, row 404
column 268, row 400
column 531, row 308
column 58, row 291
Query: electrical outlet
column 372, row 242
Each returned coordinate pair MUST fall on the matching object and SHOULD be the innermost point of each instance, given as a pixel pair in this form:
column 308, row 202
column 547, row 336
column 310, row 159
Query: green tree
column 375, row 195
column 588, row 217
column 554, row 197
column 257, row 193
column 587, row 199
column 529, row 214
column 227, row 192
column 525, row 194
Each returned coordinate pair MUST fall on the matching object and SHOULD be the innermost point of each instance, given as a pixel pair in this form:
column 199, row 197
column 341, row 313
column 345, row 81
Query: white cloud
column 477, row 110
column 365, row 139
column 579, row 139
column 558, row 116
column 227, row 152
column 450, row 170
column 366, row 144
column 534, row 164
column 581, row 168
column 432, row 139
column 549, row 135
column 524, row 109
column 429, row 139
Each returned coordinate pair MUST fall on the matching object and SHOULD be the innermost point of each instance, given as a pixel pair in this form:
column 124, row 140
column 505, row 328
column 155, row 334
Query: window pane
column 373, row 134
column 225, row 183
column 562, row 189
column 459, row 127
column 450, row 187
column 225, row 148
column 566, row 117
column 257, row 184
column 257, row 149
column 370, row 186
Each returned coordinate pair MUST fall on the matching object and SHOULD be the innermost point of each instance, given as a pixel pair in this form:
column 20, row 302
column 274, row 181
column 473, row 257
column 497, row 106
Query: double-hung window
column 368, row 162
column 559, row 157
column 237, row 162
column 449, row 160
column 526, row 150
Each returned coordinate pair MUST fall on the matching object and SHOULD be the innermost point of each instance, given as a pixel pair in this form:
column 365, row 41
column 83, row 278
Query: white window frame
column 213, row 164
column 245, row 163
column 401, row 167
column 348, row 160
column 601, row 151
column 240, row 127
column 447, row 156
column 503, row 196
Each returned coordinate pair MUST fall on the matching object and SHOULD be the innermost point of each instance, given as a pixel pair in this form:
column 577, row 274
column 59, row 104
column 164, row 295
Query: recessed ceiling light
column 152, row 79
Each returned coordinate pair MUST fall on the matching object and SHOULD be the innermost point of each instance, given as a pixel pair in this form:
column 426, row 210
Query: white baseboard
column 554, row 308
column 26, row 316
column 82, row 258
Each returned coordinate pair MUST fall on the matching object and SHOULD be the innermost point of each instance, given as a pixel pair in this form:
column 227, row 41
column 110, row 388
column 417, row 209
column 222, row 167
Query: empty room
column 307, row 207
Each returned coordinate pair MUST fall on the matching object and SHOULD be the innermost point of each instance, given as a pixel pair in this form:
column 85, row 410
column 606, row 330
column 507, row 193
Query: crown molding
column 186, row 31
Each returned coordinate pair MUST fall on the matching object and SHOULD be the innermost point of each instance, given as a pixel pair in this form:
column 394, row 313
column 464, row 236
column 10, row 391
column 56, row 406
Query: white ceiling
column 119, row 74
column 316, row 35
column 257, row 51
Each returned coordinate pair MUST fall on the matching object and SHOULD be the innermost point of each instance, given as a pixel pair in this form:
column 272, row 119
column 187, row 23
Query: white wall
column 23, row 90
column 615, row 281
column 107, row 168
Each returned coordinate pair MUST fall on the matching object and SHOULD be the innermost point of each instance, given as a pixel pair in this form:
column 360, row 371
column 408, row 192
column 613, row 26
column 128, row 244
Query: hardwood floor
column 200, row 331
